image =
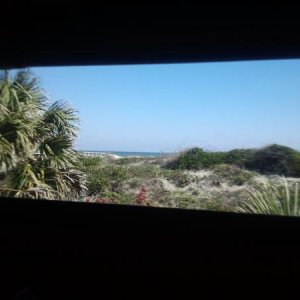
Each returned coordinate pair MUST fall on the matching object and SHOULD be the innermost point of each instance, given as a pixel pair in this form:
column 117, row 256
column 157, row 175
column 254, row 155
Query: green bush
column 123, row 161
column 86, row 163
column 196, row 159
column 275, row 159
column 179, row 178
column 105, row 179
column 238, row 157
column 143, row 171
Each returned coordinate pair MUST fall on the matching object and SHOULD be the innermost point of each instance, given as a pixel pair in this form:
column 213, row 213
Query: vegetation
column 36, row 142
column 273, row 159
column 37, row 160
column 105, row 179
column 196, row 159
column 179, row 178
column 232, row 174
column 275, row 199
column 221, row 186
column 238, row 157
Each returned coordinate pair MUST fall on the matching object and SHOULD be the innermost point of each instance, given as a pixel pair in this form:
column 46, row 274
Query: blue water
column 127, row 154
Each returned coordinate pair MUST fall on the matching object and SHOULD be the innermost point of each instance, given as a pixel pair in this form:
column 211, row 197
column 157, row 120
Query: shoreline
column 123, row 154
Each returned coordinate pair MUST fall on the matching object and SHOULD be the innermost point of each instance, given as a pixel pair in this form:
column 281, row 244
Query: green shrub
column 196, row 159
column 275, row 159
column 238, row 157
column 179, row 178
column 123, row 161
column 86, row 163
column 143, row 171
column 105, row 179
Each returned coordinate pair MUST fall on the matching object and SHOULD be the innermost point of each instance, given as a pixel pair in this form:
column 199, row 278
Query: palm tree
column 37, row 158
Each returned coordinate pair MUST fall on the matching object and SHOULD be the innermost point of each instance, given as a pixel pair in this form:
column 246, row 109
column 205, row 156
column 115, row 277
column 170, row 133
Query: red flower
column 142, row 195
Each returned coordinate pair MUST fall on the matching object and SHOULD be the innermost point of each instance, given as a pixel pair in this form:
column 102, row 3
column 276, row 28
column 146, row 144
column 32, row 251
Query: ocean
column 126, row 153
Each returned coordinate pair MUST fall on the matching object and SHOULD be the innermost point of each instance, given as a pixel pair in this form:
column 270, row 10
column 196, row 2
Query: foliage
column 196, row 159
column 182, row 200
column 144, row 171
column 178, row 200
column 238, row 157
column 179, row 178
column 215, row 204
column 37, row 159
column 123, row 161
column 232, row 174
column 104, row 179
column 86, row 163
column 274, row 199
column 274, row 159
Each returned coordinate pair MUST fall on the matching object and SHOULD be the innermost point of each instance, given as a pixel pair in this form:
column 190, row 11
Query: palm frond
column 36, row 143
column 26, row 79
column 7, row 155
column 61, row 119
column 57, row 151
column 281, row 198
column 23, row 182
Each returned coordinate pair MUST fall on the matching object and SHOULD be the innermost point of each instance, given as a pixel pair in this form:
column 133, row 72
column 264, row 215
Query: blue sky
column 170, row 107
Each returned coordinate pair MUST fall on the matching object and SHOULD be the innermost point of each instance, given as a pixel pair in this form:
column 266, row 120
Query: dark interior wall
column 65, row 250
column 112, row 33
